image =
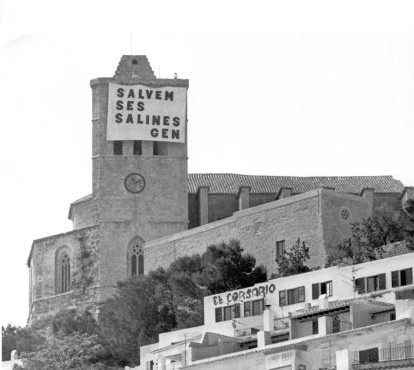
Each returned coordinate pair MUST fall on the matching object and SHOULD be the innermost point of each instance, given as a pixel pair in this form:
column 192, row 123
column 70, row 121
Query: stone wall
column 339, row 210
column 83, row 215
column 225, row 205
column 84, row 271
column 305, row 216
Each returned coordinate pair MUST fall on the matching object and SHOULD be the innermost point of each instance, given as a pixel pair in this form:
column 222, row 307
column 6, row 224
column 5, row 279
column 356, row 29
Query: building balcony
column 385, row 358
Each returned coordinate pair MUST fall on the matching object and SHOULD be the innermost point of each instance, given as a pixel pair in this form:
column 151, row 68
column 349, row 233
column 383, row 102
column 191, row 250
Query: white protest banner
column 138, row 112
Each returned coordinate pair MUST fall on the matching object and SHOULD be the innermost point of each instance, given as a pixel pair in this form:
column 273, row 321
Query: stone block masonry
column 316, row 217
column 82, row 248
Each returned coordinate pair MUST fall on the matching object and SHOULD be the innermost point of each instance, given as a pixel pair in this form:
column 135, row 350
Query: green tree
column 20, row 339
column 72, row 352
column 369, row 236
column 165, row 300
column 293, row 262
column 408, row 222
column 225, row 268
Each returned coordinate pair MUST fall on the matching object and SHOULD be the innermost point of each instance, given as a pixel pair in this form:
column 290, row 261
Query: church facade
column 145, row 210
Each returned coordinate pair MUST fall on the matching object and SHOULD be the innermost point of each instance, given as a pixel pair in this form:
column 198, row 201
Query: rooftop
column 227, row 183
column 377, row 306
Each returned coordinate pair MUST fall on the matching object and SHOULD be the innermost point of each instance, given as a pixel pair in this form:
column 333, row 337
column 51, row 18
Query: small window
column 247, row 312
column 336, row 324
column 322, row 288
column 392, row 316
column 280, row 248
column 137, row 147
column 326, row 288
column 117, row 147
column 296, row 295
column 155, row 148
column 315, row 327
column 258, row 307
column 402, row 277
column 375, row 283
column 370, row 284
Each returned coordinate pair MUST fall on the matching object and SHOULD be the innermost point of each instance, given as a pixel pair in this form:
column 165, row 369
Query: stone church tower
column 143, row 200
column 139, row 194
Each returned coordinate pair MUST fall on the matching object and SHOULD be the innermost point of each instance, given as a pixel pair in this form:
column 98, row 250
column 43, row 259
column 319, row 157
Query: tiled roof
column 380, row 306
column 315, row 309
column 396, row 249
column 284, row 346
column 229, row 183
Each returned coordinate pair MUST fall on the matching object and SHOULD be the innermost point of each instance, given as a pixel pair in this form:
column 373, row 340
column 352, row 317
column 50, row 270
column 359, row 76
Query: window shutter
column 237, row 310
column 394, row 279
column 315, row 327
column 219, row 314
column 360, row 285
column 373, row 355
column 228, row 312
column 246, row 309
column 301, row 294
column 381, row 284
column 291, row 296
column 330, row 290
column 282, row 298
column 363, row 356
column 315, row 291
column 409, row 276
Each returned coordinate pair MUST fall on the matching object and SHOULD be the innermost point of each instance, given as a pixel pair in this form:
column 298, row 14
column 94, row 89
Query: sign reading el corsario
column 138, row 112
column 244, row 294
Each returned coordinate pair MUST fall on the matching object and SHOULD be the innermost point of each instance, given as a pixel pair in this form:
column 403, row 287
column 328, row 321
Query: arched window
column 63, row 271
column 136, row 257
column 137, row 260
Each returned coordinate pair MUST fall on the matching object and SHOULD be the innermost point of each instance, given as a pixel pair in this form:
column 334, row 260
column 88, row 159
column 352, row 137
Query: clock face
column 135, row 183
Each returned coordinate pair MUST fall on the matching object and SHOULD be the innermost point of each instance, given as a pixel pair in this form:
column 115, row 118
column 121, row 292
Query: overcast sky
column 300, row 88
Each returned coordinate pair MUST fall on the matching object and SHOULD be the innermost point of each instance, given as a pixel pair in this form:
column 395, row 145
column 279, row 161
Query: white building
column 331, row 303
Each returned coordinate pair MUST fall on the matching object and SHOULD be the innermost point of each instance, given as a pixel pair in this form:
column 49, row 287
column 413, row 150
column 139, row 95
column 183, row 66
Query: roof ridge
column 287, row 176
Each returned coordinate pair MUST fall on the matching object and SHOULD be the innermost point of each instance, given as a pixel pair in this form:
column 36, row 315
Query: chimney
column 243, row 196
column 284, row 192
column 263, row 337
column 202, row 195
column 323, row 301
column 268, row 319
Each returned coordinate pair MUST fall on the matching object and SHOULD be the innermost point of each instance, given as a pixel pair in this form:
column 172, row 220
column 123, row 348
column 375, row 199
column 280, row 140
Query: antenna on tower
column 131, row 43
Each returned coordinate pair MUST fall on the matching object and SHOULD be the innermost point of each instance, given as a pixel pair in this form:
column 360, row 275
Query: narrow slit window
column 137, row 147
column 155, row 148
column 117, row 147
